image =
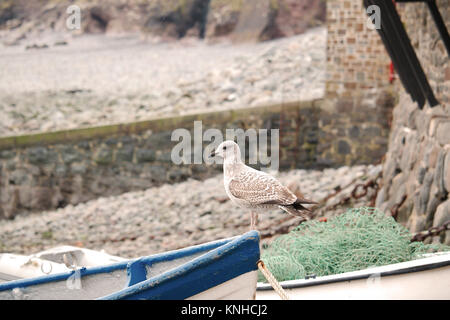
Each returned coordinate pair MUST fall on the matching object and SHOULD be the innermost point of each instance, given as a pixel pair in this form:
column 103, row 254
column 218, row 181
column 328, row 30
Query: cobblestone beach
column 173, row 215
column 98, row 80
column 67, row 84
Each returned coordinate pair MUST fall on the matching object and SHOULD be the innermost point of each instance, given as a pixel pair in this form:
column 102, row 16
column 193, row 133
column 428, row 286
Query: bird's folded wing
column 261, row 190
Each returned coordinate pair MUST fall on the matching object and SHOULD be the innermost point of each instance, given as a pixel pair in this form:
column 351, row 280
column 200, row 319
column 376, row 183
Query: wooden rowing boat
column 223, row 269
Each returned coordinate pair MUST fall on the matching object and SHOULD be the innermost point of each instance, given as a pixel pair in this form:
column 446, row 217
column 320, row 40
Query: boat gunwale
column 341, row 277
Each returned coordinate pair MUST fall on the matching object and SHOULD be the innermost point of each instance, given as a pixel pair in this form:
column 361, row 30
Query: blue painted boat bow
column 217, row 266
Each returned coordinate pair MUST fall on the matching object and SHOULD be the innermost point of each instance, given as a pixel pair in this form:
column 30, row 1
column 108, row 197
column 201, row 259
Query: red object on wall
column 391, row 72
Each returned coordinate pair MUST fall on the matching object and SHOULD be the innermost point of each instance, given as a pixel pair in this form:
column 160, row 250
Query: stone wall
column 357, row 61
column 50, row 170
column 357, row 90
column 416, row 172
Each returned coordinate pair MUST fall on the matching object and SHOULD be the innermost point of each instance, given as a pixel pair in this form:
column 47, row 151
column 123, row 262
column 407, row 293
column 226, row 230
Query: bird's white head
column 229, row 151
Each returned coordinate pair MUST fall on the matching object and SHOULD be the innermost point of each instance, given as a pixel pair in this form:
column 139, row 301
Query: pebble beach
column 98, row 80
column 172, row 216
column 67, row 84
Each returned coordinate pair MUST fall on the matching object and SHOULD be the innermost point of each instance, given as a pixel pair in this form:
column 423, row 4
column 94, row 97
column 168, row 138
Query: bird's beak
column 213, row 154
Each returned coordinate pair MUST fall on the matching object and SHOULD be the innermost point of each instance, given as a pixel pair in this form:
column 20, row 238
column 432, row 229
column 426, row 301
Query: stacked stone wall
column 416, row 171
column 50, row 170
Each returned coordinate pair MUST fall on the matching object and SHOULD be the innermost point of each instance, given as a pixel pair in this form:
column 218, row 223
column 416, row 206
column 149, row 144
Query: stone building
column 416, row 168
column 357, row 62
column 357, row 85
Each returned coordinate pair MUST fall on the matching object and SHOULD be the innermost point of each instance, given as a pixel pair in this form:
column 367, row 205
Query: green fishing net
column 355, row 240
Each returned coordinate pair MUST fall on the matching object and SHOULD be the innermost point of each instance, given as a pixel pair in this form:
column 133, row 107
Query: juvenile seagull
column 253, row 189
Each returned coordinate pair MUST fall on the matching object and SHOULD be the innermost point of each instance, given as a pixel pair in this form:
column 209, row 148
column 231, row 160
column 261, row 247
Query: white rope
column 273, row 282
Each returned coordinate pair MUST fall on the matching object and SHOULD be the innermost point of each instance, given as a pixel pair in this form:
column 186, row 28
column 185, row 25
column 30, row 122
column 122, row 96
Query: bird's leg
column 253, row 220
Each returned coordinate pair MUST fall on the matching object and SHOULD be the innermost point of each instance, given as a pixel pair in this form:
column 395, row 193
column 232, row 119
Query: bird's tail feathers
column 297, row 208
column 295, row 212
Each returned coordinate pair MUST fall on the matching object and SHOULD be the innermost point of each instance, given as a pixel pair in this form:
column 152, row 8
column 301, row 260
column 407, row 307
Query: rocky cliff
column 168, row 19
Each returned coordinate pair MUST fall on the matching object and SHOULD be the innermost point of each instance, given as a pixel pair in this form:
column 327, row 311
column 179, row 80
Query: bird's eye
column 224, row 148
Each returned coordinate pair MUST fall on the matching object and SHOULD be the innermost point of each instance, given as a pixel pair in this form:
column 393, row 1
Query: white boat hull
column 242, row 287
column 427, row 278
column 15, row 266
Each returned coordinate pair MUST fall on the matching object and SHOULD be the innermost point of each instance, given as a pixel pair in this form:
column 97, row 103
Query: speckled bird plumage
column 253, row 189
